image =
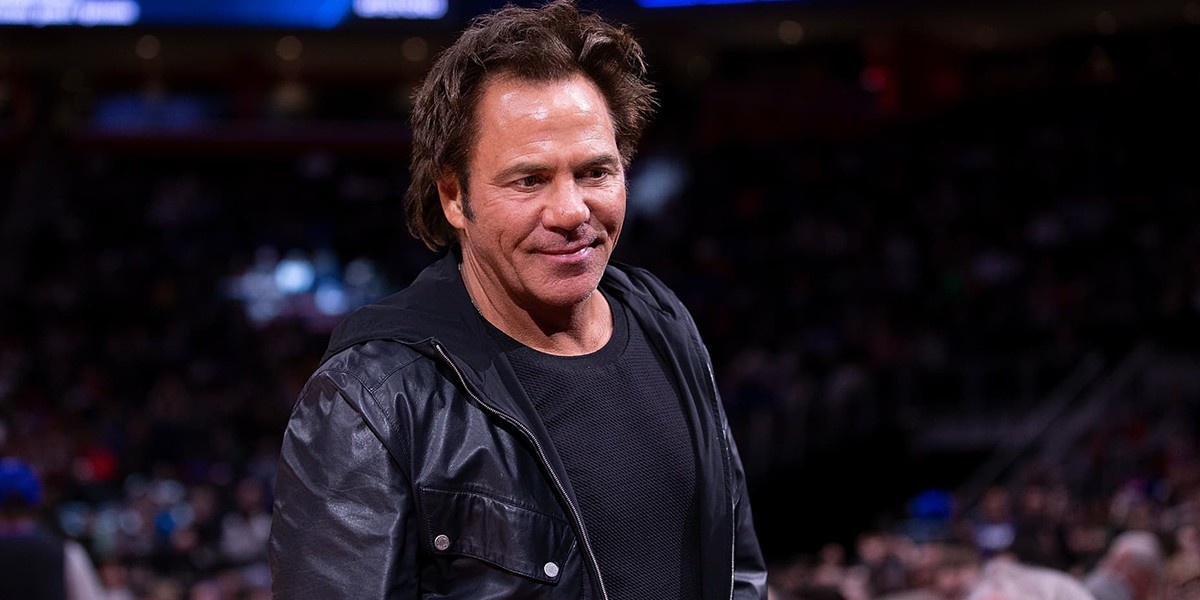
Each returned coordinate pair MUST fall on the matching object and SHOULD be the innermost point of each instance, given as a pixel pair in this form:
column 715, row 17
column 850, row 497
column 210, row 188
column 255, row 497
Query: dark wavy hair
column 547, row 43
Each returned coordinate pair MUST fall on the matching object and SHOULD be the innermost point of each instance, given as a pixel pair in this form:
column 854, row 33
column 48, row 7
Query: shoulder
column 370, row 363
column 639, row 284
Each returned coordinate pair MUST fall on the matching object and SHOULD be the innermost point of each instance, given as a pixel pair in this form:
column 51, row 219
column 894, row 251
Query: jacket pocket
column 514, row 538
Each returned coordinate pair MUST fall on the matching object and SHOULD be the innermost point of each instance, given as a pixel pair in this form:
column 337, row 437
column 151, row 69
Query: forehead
column 507, row 100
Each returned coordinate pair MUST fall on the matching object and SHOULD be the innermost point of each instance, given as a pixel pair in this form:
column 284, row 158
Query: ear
column 452, row 196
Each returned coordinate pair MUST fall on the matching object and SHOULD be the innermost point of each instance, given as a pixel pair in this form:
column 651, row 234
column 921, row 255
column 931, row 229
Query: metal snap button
column 550, row 569
column 442, row 541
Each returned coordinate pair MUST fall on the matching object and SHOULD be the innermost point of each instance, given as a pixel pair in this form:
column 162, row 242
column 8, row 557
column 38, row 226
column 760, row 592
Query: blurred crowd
column 849, row 283
column 942, row 551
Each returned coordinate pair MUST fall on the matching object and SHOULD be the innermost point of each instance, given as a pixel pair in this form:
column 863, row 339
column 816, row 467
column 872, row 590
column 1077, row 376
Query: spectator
column 36, row 564
column 817, row 592
column 879, row 564
column 953, row 576
column 832, row 566
column 1182, row 572
column 1038, row 535
column 995, row 529
column 1131, row 569
column 244, row 532
column 1004, row 579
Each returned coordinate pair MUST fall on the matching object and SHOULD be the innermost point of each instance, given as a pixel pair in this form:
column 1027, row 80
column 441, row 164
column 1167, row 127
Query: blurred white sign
column 400, row 9
column 69, row 12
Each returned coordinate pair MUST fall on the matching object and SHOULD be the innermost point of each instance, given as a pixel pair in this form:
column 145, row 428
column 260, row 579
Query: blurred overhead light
column 107, row 12
column 674, row 3
column 656, row 182
column 415, row 49
column 294, row 275
column 291, row 98
column 148, row 47
column 68, row 12
column 400, row 9
column 330, row 299
column 790, row 32
column 289, row 48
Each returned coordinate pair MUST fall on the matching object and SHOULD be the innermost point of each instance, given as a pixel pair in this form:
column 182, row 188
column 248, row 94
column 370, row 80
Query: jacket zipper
column 541, row 454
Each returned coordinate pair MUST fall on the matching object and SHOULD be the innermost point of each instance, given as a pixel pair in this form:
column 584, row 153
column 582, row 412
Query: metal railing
column 1076, row 405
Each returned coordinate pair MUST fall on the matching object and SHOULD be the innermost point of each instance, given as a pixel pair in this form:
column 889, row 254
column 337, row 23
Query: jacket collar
column 436, row 306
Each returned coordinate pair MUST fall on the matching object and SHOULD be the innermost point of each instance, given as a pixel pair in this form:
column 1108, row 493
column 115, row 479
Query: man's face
column 546, row 192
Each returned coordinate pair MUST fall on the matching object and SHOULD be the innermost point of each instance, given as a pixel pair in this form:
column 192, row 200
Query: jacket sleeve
column 342, row 522
column 749, row 568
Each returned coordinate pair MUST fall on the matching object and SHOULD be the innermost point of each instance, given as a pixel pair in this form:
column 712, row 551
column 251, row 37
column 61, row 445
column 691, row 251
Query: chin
column 567, row 299
column 571, row 292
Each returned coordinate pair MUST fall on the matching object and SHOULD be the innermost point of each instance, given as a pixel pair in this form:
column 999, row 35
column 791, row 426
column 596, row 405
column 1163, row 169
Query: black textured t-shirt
column 616, row 420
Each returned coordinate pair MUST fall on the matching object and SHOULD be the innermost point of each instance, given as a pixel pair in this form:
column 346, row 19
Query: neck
column 573, row 330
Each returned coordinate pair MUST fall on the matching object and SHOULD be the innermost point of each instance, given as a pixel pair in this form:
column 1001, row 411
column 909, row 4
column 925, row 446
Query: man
column 36, row 564
column 1131, row 568
column 525, row 420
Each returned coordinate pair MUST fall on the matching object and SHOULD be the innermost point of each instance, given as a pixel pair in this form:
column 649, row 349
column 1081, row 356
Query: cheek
column 512, row 229
column 612, row 210
column 614, row 217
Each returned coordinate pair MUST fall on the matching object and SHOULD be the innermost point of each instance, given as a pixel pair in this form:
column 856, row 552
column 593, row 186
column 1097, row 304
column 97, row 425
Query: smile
column 578, row 248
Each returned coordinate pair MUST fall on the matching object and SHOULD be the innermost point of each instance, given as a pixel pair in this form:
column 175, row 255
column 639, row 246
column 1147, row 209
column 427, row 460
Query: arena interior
column 946, row 257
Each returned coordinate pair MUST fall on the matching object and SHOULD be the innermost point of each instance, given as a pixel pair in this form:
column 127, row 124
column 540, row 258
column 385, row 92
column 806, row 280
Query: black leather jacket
column 414, row 466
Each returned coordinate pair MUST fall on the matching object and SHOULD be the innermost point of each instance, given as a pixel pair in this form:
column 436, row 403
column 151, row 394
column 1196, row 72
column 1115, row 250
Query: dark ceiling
column 975, row 25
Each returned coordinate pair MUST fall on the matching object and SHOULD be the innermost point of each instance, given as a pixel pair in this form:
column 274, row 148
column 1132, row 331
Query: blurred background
column 946, row 256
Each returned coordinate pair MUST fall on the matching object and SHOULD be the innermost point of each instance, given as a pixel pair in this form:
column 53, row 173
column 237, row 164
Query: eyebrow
column 600, row 160
column 522, row 168
column 525, row 168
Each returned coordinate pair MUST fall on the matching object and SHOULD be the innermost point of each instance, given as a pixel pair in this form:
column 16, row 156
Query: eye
column 597, row 173
column 528, row 181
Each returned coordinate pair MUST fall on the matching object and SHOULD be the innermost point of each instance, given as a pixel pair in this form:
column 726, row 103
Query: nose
column 566, row 207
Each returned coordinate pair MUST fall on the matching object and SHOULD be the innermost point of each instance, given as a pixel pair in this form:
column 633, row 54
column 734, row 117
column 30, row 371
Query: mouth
column 572, row 248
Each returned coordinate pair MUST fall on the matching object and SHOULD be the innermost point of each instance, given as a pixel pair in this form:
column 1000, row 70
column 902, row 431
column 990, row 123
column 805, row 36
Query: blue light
column 658, row 180
column 681, row 3
column 298, row 14
column 400, row 9
column 294, row 275
column 41, row 13
column 319, row 14
column 330, row 299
